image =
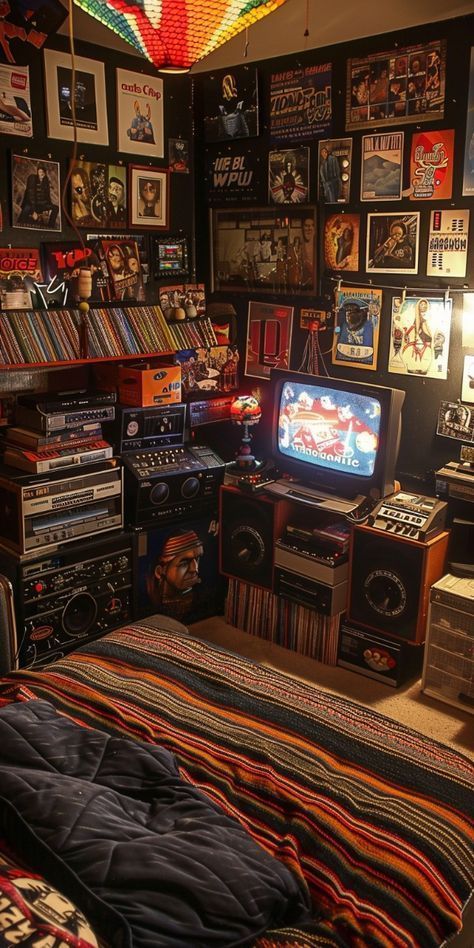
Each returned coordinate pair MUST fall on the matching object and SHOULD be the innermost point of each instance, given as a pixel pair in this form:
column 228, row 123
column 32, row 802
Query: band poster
column 357, row 325
column 334, row 170
column 341, row 242
column 15, row 101
column 419, row 337
column 448, row 243
column 268, row 338
column 288, row 176
column 455, row 420
column 431, row 165
column 382, row 167
column 392, row 242
column 301, row 103
column 140, row 114
column 396, row 87
column 468, row 179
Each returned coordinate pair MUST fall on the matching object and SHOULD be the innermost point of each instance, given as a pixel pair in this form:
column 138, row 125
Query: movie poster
column 232, row 178
column 231, row 104
column 419, row 337
column 15, row 101
column 269, row 329
column 448, row 243
column 20, row 270
column 288, row 176
column 98, row 194
column 357, row 326
column 468, row 178
column 392, row 242
column 455, row 420
column 341, row 242
column 140, row 114
column 334, row 170
column 431, row 165
column 404, row 85
column 36, row 194
column 301, row 103
column 382, row 167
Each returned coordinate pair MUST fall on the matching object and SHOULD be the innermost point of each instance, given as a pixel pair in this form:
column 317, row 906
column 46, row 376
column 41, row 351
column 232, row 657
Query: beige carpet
column 406, row 704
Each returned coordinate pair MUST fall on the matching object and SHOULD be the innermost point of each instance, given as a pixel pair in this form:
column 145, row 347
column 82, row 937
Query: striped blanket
column 372, row 815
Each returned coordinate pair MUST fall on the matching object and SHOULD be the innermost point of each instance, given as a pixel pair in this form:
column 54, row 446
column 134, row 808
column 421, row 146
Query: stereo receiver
column 160, row 426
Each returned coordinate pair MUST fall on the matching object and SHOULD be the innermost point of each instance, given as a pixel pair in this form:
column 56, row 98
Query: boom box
column 68, row 597
column 390, row 579
column 249, row 528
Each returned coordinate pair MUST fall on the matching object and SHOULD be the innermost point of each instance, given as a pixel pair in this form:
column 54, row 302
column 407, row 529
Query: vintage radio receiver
column 67, row 597
column 141, row 429
column 50, row 422
column 40, row 511
column 314, row 577
column 161, row 485
column 210, row 410
column 409, row 515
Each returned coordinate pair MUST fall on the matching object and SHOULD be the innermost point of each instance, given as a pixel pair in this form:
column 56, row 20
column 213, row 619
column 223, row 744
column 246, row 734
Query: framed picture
column 382, row 167
column 264, row 250
column 392, row 242
column 139, row 114
column 148, row 197
column 90, row 98
column 341, row 242
column 334, row 170
column 98, row 194
column 288, row 176
column 269, row 329
column 36, row 194
column 356, row 333
column 170, row 257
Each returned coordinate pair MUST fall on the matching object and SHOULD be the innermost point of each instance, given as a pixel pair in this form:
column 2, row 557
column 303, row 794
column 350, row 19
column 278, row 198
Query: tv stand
column 300, row 493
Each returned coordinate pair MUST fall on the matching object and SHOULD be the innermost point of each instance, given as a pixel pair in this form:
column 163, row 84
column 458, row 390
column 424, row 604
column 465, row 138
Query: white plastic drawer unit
column 448, row 669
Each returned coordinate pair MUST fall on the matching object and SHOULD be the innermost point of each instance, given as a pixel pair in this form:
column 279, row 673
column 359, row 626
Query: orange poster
column 431, row 165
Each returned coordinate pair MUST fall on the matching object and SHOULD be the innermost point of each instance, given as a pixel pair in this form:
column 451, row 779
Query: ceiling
column 283, row 31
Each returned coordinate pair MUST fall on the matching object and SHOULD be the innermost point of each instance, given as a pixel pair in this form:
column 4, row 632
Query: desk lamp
column 245, row 411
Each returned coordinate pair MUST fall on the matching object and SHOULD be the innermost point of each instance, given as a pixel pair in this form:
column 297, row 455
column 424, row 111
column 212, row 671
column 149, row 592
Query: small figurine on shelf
column 245, row 410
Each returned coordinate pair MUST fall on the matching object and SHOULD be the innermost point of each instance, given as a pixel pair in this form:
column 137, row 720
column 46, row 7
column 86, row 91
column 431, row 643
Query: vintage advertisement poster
column 392, row 88
column 467, row 391
column 36, row 193
column 232, row 178
column 341, row 242
column 231, row 104
column 268, row 338
column 301, row 103
column 468, row 177
column 15, row 101
column 20, row 270
column 140, row 114
column 334, row 170
column 288, row 176
column 382, row 167
column 448, row 243
column 357, row 325
column 431, row 165
column 419, row 337
column 90, row 98
column 455, row 420
column 392, row 242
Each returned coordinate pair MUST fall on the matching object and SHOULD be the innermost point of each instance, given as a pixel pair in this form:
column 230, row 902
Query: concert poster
column 431, row 165
column 334, row 170
column 15, row 101
column 455, row 420
column 341, row 242
column 269, row 329
column 301, row 103
column 448, row 243
column 392, row 242
column 468, row 177
column 20, row 271
column 232, row 177
column 382, row 167
column 419, row 337
column 357, row 326
column 288, row 176
column 231, row 104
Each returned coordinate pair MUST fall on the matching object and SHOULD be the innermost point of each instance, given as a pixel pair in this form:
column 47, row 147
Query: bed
column 318, row 821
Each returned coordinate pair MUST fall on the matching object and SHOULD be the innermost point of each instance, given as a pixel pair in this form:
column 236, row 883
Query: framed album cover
column 139, row 114
column 90, row 98
column 36, row 193
column 148, row 197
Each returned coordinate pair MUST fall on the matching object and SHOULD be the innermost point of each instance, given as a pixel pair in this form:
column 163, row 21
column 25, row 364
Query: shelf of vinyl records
column 61, row 337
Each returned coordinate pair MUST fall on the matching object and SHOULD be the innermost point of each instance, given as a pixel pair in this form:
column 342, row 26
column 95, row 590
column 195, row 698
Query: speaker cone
column 159, row 493
column 247, row 545
column 385, row 592
column 79, row 614
column 190, row 488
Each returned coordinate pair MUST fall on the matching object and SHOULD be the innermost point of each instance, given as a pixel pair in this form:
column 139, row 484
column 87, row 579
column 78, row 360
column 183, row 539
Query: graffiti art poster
column 232, row 178
column 448, row 242
column 231, row 104
column 341, row 242
column 357, row 325
column 455, row 420
column 392, row 242
column 431, row 165
column 334, row 170
column 468, row 177
column 419, row 337
column 382, row 167
column 15, row 101
column 301, row 103
column 288, row 176
column 139, row 114
column 268, row 338
column 392, row 88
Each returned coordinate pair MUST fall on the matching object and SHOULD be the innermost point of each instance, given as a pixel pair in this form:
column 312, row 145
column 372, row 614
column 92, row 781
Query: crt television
column 335, row 436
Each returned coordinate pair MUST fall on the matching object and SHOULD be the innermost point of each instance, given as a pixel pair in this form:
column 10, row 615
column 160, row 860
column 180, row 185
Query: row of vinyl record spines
column 49, row 336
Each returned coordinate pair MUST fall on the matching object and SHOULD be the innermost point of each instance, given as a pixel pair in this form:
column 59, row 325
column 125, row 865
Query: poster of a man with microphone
column 392, row 242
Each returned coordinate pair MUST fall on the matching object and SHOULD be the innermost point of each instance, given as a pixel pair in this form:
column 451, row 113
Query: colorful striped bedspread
column 374, row 816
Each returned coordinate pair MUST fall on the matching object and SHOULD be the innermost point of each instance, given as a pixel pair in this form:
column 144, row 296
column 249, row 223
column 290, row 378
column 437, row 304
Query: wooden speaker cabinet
column 249, row 527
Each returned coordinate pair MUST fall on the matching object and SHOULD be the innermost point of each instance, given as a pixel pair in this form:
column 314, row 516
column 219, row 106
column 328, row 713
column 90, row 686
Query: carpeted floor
column 406, row 704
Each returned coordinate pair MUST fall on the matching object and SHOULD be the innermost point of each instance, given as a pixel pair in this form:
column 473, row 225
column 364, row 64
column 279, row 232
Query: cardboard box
column 142, row 386
column 375, row 656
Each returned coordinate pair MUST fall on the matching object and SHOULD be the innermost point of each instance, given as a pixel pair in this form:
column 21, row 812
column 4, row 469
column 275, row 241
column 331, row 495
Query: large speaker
column 249, row 527
column 390, row 579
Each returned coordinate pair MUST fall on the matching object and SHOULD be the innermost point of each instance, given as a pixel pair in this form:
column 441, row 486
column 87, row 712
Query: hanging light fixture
column 174, row 34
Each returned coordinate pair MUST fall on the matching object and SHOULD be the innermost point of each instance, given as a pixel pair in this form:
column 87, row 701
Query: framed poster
column 419, row 337
column 468, row 177
column 232, row 178
column 36, row 193
column 431, row 165
column 90, row 98
column 341, row 242
column 448, row 243
column 139, row 114
column 301, row 103
column 264, row 249
column 382, row 167
column 231, row 104
column 357, row 324
column 392, row 242
column 15, row 101
column 98, row 194
column 268, row 338
column 334, row 170
column 149, row 197
column 288, row 176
